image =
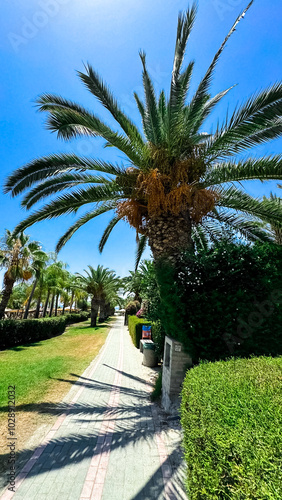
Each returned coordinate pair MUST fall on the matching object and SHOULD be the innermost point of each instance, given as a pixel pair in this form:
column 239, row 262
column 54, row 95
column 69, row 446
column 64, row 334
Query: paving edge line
column 96, row 474
column 8, row 494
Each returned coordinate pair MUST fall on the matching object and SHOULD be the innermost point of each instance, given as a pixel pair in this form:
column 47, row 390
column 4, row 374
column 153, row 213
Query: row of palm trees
column 52, row 285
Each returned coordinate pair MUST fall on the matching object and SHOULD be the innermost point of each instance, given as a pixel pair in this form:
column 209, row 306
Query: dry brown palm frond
column 204, row 201
column 134, row 213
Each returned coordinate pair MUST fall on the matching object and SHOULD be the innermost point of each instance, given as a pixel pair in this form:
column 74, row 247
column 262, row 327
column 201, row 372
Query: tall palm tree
column 38, row 265
column 101, row 284
column 16, row 256
column 177, row 176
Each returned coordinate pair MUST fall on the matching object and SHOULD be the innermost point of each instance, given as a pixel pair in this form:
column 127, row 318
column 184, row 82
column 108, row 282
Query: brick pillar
column 176, row 362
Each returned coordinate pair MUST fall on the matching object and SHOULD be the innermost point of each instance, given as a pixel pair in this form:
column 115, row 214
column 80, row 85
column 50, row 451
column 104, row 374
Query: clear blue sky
column 44, row 42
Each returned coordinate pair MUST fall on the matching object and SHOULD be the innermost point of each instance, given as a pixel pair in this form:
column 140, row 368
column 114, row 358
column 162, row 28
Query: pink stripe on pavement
column 163, row 454
column 96, row 475
column 7, row 495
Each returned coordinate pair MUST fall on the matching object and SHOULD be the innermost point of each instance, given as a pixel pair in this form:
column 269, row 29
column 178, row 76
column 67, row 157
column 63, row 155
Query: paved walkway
column 110, row 442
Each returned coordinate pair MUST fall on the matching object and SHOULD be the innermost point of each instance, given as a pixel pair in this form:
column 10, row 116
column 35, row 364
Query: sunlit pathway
column 108, row 444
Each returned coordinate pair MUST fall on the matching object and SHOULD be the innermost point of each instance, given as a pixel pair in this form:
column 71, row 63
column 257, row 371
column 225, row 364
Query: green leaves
column 151, row 115
column 101, row 282
column 141, row 245
column 70, row 120
column 101, row 209
column 180, row 82
column 108, row 231
column 238, row 200
column 98, row 88
column 71, row 202
column 266, row 168
column 54, row 165
column 255, row 122
column 202, row 92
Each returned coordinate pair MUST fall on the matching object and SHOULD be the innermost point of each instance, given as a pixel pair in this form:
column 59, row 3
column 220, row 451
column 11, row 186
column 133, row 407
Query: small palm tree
column 17, row 253
column 102, row 284
column 178, row 178
column 132, row 284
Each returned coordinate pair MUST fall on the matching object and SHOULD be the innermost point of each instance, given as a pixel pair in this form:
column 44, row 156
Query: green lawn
column 35, row 368
column 43, row 373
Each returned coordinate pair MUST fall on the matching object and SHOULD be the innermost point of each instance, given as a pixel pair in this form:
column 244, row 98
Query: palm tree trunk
column 102, row 312
column 63, row 311
column 46, row 304
column 170, row 235
column 71, row 302
column 6, row 294
column 52, row 305
column 107, row 310
column 94, row 311
column 30, row 299
column 56, row 305
column 38, row 307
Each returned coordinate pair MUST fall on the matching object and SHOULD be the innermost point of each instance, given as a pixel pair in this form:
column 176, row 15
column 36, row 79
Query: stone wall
column 176, row 363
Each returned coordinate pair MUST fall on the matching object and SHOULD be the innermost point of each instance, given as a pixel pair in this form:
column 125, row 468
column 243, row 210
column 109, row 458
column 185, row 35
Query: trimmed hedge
column 135, row 330
column 15, row 332
column 231, row 417
column 77, row 317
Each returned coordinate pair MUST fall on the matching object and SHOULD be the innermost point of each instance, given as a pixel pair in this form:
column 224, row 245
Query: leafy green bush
column 16, row 332
column 231, row 417
column 132, row 307
column 226, row 301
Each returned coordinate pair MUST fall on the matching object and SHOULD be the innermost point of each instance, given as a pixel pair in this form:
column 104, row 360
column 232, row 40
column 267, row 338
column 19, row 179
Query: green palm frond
column 251, row 228
column 266, row 168
column 177, row 101
column 172, row 143
column 163, row 111
column 185, row 25
column 70, row 120
column 256, row 121
column 145, row 123
column 103, row 208
column 180, row 83
column 240, row 201
column 151, row 117
column 200, row 97
column 141, row 246
column 70, row 203
column 113, row 222
column 59, row 183
column 52, row 165
column 100, row 90
column 206, row 109
column 200, row 238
